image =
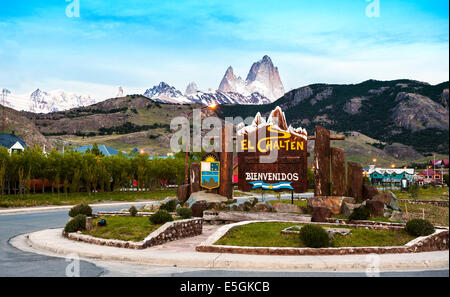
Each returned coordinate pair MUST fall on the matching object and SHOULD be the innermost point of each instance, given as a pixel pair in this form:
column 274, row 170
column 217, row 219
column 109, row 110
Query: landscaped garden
column 438, row 215
column 268, row 234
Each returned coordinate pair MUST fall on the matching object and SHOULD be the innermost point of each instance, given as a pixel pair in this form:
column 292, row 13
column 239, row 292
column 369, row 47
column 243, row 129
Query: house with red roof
column 429, row 176
column 439, row 163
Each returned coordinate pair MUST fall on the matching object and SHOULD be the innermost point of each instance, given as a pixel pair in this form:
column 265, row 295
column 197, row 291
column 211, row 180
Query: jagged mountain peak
column 263, row 78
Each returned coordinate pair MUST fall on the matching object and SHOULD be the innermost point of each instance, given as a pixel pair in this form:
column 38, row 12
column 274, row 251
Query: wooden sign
column 288, row 172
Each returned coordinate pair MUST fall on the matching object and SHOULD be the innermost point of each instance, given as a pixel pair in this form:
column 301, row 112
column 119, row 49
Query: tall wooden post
column 195, row 177
column 355, row 181
column 226, row 163
column 338, row 184
column 322, row 162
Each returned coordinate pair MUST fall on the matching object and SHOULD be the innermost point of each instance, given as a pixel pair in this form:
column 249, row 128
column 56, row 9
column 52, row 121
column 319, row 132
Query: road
column 14, row 262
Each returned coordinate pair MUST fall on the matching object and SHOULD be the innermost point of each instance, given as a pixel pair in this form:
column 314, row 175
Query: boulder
column 375, row 207
column 333, row 203
column 394, row 203
column 320, row 214
column 263, row 207
column 183, row 193
column 384, row 197
column 397, row 216
column 369, row 192
column 284, row 207
column 152, row 206
column 347, row 208
column 198, row 208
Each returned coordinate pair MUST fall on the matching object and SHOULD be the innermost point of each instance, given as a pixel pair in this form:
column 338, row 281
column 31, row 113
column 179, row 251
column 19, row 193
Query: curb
column 51, row 241
column 26, row 210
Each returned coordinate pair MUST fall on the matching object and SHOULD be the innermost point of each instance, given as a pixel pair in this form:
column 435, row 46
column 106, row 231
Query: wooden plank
column 338, row 176
column 226, row 166
column 195, row 177
column 355, row 180
column 322, row 162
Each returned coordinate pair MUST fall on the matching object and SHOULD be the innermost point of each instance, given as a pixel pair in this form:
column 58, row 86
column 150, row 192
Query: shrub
column 419, row 227
column 446, row 179
column 160, row 217
column 314, row 236
column 414, row 191
column 82, row 208
column 184, row 212
column 133, row 211
column 169, row 206
column 78, row 223
column 359, row 213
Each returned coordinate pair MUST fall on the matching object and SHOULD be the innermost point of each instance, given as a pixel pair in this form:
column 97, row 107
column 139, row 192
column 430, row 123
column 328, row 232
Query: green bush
column 446, row 179
column 314, row 236
column 133, row 211
column 419, row 227
column 169, row 206
column 78, row 223
column 160, row 217
column 82, row 208
column 414, row 191
column 184, row 212
column 359, row 213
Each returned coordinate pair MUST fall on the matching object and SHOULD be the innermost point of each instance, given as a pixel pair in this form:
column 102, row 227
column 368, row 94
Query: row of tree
column 72, row 172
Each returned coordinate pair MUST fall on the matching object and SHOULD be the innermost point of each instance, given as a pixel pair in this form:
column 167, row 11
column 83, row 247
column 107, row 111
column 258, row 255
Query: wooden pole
column 322, row 162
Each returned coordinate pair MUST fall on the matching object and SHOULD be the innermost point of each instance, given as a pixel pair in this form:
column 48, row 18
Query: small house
column 12, row 143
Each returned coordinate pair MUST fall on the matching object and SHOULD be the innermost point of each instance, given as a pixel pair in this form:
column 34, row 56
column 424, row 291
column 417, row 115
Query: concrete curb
column 51, row 242
column 25, row 210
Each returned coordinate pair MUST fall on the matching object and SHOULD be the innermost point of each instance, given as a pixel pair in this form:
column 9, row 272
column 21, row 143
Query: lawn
column 301, row 203
column 431, row 193
column 76, row 198
column 268, row 235
column 123, row 228
column 437, row 215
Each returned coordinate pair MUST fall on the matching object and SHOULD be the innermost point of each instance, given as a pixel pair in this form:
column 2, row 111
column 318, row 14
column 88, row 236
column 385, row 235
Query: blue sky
column 136, row 44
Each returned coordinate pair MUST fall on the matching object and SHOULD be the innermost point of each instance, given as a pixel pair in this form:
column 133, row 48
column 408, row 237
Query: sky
column 136, row 44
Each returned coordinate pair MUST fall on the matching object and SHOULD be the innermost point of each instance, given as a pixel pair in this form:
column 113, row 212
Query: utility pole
column 5, row 93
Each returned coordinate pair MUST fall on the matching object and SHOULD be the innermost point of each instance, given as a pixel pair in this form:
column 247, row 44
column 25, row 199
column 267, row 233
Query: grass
column 123, row 228
column 76, row 198
column 268, row 235
column 437, row 215
column 375, row 219
column 431, row 193
column 301, row 203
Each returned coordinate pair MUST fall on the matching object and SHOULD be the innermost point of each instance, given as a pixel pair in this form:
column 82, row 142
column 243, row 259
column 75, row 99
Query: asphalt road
column 17, row 263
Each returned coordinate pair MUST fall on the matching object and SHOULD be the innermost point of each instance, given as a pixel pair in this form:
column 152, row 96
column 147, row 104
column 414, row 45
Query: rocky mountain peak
column 262, row 78
column 191, row 88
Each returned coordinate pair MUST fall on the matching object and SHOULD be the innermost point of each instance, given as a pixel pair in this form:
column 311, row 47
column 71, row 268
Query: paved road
column 14, row 262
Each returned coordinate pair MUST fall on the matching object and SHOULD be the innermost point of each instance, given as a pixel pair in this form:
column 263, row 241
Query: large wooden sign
column 288, row 172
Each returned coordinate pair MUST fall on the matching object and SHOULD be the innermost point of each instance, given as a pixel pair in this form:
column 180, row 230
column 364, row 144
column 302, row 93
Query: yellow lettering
column 244, row 145
column 300, row 145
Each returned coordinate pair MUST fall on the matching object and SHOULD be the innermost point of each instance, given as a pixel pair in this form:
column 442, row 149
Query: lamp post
column 212, row 106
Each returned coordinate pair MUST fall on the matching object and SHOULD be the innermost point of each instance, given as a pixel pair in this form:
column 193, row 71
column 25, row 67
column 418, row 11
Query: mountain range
column 262, row 86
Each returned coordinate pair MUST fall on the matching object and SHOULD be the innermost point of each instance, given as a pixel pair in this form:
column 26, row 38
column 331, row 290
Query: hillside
column 24, row 128
column 408, row 112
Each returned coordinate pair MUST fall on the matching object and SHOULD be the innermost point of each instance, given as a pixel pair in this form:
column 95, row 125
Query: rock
column 152, row 206
column 369, row 192
column 333, row 203
column 394, row 202
column 347, row 208
column 320, row 214
column 88, row 223
column 397, row 216
column 198, row 208
column 284, row 207
column 375, row 207
column 384, row 197
column 263, row 207
column 183, row 193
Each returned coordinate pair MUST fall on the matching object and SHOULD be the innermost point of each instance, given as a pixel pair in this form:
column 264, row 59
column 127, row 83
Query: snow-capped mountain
column 262, row 78
column 45, row 102
column 168, row 94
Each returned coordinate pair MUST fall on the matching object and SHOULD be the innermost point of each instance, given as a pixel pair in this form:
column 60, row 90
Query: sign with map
column 288, row 171
column 210, row 172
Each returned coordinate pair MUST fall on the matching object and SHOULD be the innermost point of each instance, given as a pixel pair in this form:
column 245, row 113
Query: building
column 438, row 164
column 393, row 176
column 429, row 176
column 12, row 143
column 105, row 150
